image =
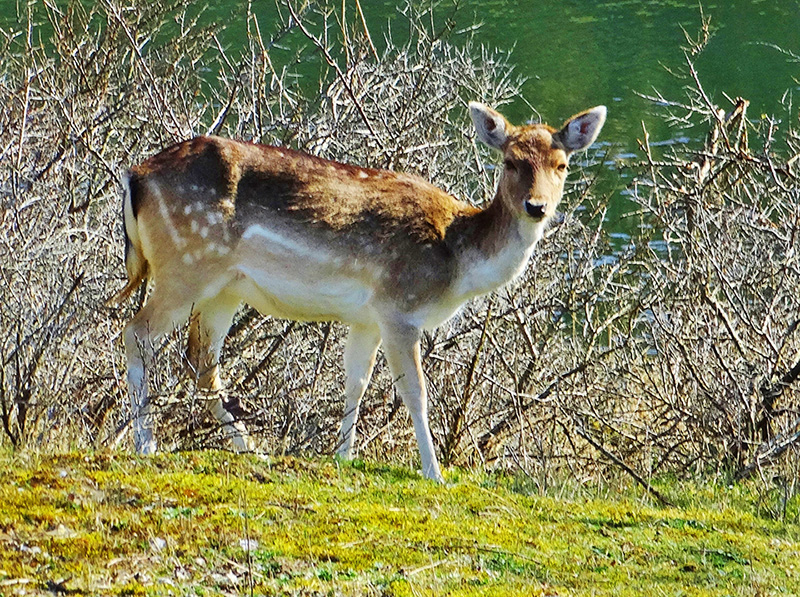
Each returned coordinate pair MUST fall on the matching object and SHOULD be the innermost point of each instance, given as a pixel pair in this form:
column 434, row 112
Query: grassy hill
column 214, row 523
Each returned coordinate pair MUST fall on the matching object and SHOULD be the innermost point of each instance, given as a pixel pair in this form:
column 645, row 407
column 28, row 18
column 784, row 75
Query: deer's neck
column 493, row 247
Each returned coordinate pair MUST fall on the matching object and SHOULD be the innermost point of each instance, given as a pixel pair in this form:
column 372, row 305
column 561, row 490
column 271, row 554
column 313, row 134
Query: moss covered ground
column 214, row 523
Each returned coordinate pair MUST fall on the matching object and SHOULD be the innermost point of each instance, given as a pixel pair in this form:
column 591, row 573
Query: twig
column 428, row 567
column 771, row 451
column 271, row 351
column 366, row 29
column 657, row 494
column 331, row 62
column 160, row 104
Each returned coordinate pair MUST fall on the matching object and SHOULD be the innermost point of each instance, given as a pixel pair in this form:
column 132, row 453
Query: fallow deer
column 214, row 223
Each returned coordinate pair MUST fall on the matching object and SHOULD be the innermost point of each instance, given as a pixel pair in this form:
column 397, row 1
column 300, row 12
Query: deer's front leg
column 401, row 345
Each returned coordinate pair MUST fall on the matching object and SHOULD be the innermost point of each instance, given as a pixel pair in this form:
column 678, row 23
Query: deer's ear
column 581, row 130
column 490, row 125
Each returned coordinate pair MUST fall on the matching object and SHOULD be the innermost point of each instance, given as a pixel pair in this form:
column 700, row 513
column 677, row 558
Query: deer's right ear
column 490, row 125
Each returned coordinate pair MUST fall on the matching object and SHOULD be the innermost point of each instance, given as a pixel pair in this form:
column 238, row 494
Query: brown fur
column 399, row 220
column 326, row 194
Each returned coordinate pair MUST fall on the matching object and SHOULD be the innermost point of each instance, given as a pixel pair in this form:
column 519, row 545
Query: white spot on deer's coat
column 187, row 258
column 217, row 249
column 362, row 174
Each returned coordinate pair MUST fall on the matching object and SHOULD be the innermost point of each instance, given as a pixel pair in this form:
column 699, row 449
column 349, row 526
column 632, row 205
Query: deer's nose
column 535, row 210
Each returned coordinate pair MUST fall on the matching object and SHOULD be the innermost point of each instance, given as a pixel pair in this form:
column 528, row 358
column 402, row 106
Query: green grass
column 215, row 523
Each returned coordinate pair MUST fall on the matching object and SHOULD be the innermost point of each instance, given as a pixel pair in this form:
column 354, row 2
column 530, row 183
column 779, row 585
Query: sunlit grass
column 216, row 523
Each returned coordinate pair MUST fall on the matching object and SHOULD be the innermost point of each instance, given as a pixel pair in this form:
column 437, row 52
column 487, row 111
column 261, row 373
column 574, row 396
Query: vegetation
column 674, row 356
column 209, row 523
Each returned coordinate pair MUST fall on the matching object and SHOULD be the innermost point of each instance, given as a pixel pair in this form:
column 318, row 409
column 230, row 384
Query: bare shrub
column 679, row 352
column 722, row 285
column 676, row 353
column 115, row 82
column 82, row 99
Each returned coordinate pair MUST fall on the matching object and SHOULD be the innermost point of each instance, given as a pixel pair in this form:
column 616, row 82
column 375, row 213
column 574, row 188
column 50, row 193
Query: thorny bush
column 674, row 354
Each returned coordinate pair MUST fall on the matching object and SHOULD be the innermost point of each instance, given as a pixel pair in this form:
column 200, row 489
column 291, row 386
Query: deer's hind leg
column 158, row 317
column 359, row 360
column 208, row 327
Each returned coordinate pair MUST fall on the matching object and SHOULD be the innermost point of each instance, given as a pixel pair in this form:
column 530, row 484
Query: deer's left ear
column 581, row 130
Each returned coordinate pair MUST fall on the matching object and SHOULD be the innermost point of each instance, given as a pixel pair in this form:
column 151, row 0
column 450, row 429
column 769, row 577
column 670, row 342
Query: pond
column 580, row 53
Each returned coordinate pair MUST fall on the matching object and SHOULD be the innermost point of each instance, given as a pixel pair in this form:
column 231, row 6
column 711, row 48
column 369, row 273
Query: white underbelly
column 306, row 297
column 287, row 277
column 431, row 316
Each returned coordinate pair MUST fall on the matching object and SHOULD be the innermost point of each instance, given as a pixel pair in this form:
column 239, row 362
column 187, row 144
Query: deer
column 214, row 223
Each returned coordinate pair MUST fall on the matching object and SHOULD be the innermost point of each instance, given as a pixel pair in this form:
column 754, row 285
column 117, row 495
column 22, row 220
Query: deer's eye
column 562, row 167
column 510, row 166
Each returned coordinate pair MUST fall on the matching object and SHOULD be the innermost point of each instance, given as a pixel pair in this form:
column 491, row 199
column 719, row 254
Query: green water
column 580, row 53
column 589, row 52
